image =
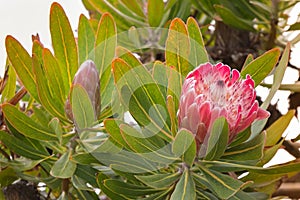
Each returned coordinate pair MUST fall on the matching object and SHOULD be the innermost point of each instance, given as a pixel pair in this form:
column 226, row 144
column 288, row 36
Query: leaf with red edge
column 22, row 64
column 178, row 47
column 261, row 67
column 64, row 45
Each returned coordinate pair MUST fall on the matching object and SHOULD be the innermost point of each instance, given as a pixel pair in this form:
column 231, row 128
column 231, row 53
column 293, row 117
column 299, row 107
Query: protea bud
column 210, row 92
column 88, row 77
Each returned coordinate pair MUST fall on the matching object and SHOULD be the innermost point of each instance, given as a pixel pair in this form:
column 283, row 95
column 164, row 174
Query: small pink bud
column 88, row 77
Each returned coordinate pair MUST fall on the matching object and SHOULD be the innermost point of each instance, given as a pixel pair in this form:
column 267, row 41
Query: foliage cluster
column 124, row 142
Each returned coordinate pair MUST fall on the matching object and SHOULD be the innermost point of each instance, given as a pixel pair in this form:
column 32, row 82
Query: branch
column 291, row 148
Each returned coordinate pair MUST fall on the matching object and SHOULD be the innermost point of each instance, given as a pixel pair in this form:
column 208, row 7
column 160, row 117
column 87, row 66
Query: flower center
column 218, row 93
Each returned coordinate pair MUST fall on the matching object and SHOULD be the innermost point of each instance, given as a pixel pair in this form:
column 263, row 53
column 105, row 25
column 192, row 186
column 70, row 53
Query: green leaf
column 250, row 150
column 155, row 12
column 19, row 147
column 87, row 173
column 33, row 143
column 108, row 146
column 172, row 112
column 84, row 194
column 37, row 51
column 91, row 140
column 218, row 139
column 260, row 180
column 294, row 87
column 223, row 185
column 259, row 68
column 25, row 125
column 198, row 54
column 105, row 47
column 7, row 177
column 282, row 169
column 64, row 45
column 10, row 87
column 297, row 138
column 159, row 180
column 160, row 75
column 134, row 40
column 181, row 9
column 24, row 164
column 135, row 6
column 159, row 195
column 275, row 131
column 48, row 99
column 56, row 126
column 122, row 15
column 82, row 108
column 108, row 191
column 248, row 59
column 80, row 183
column 64, row 167
column 126, row 161
column 278, row 75
column 229, row 18
column 105, row 43
column 53, row 74
column 86, row 39
column 249, row 195
column 112, row 127
column 84, row 158
column 22, row 64
column 269, row 153
column 185, row 188
column 136, row 140
column 129, row 190
column 184, row 145
column 170, row 4
column 145, row 146
column 128, row 57
column 174, row 86
column 41, row 116
column 241, row 137
column 294, row 27
column 142, row 96
column 178, row 48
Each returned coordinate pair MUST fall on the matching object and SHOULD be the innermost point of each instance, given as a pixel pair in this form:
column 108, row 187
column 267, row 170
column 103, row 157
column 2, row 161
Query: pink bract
column 211, row 91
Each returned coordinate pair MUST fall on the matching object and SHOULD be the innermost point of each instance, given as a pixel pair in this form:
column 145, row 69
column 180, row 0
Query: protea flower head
column 210, row 92
column 88, row 77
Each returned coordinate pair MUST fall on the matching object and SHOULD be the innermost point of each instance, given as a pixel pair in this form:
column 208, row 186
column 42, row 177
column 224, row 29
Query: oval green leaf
column 261, row 67
column 25, row 125
column 155, row 12
column 86, row 39
column 22, row 64
column 185, row 188
column 178, row 47
column 275, row 131
column 64, row 167
column 64, row 45
column 198, row 54
column 184, row 146
column 82, row 108
column 104, row 50
column 218, row 139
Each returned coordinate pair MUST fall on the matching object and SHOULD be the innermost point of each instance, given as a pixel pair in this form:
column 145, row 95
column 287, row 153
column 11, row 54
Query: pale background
column 23, row 18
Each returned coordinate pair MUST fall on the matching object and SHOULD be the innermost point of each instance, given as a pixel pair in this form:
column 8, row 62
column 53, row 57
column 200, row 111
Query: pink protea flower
column 210, row 92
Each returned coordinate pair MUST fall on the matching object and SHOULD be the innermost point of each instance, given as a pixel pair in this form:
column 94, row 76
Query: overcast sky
column 22, row 18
